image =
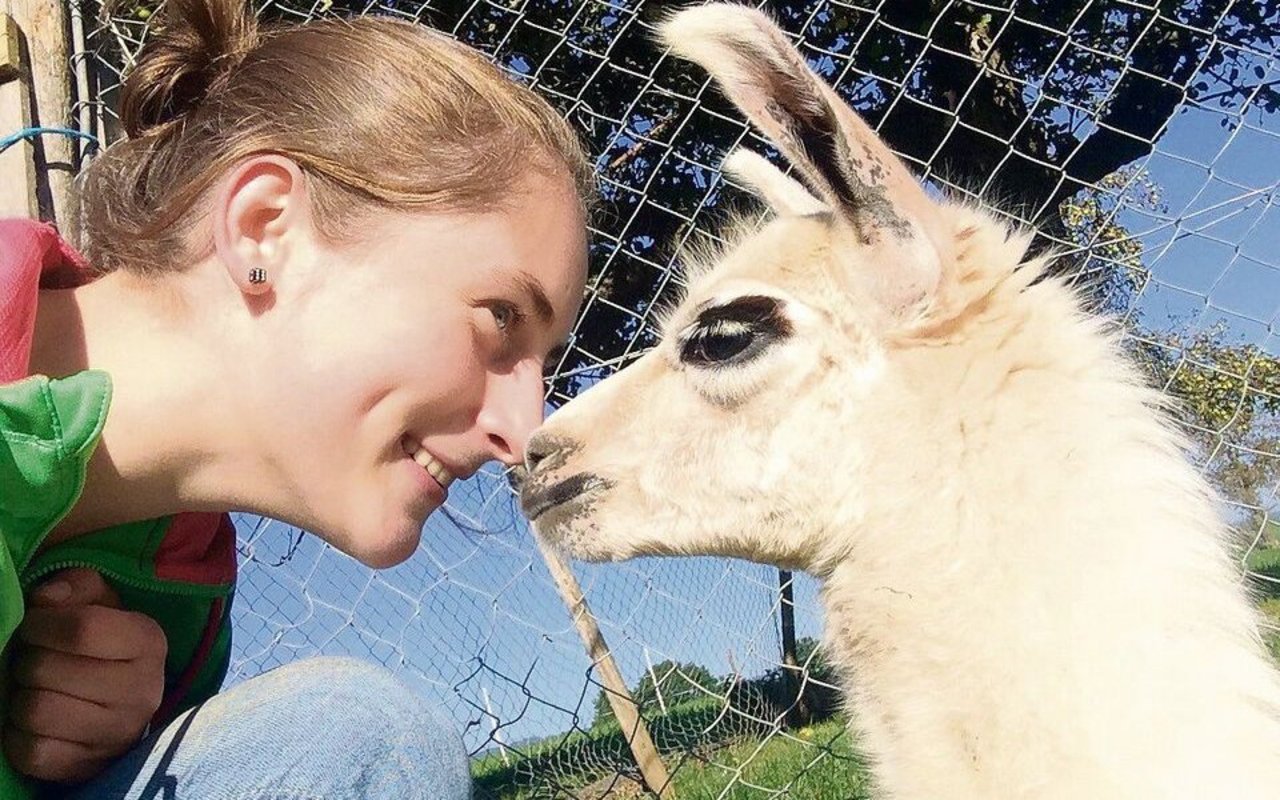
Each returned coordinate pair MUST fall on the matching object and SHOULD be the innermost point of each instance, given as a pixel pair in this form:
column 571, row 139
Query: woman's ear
column 260, row 213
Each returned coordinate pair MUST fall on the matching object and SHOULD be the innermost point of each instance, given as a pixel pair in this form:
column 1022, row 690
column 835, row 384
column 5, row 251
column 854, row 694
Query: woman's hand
column 86, row 677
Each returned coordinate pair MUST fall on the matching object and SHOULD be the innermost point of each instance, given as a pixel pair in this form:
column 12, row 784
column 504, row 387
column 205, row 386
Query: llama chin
column 1027, row 588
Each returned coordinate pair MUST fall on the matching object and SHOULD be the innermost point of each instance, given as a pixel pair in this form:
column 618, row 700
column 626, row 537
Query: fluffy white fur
column 1027, row 588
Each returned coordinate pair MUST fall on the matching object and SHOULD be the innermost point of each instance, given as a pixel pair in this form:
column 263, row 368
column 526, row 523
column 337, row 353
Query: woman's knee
column 346, row 686
column 362, row 716
column 334, row 727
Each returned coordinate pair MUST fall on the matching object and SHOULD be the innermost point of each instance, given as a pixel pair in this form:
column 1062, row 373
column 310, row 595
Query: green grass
column 1265, row 561
column 579, row 757
column 1270, row 608
column 814, row 763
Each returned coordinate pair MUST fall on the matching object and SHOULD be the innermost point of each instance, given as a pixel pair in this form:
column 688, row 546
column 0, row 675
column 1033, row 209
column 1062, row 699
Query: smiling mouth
column 536, row 500
column 428, row 462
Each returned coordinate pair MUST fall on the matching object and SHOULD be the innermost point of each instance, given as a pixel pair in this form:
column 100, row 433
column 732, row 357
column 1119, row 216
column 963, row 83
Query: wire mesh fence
column 1140, row 138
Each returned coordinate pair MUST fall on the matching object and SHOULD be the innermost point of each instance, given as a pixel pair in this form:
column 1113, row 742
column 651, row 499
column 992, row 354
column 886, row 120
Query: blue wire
column 30, row 133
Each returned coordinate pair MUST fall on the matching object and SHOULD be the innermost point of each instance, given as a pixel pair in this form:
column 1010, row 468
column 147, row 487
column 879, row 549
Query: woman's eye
column 504, row 316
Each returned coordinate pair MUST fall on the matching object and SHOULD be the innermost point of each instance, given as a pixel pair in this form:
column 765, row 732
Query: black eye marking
column 735, row 332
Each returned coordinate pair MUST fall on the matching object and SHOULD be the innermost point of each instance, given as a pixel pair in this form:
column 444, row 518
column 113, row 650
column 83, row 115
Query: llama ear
column 836, row 152
column 784, row 195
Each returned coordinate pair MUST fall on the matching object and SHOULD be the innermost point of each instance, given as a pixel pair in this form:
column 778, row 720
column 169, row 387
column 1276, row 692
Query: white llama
column 1027, row 589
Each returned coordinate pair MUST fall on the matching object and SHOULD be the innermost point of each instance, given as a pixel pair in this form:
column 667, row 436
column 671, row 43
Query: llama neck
column 1057, row 598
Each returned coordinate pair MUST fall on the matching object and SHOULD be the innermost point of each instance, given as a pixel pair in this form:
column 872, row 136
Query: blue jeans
column 332, row 728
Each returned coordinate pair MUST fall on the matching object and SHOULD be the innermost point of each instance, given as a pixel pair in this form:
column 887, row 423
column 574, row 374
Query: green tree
column 677, row 683
column 1030, row 102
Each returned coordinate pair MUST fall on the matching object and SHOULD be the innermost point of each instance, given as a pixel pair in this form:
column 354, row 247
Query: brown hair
column 377, row 112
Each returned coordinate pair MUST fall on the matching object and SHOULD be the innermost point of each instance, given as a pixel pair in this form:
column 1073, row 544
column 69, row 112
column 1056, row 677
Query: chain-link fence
column 1141, row 137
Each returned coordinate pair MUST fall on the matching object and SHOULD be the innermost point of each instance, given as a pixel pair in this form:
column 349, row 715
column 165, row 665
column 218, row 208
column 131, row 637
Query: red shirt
column 198, row 547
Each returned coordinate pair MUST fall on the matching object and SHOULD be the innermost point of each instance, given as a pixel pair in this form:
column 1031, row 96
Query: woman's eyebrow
column 536, row 295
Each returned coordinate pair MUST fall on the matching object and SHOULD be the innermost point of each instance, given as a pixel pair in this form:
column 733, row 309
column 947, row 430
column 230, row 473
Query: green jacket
column 179, row 570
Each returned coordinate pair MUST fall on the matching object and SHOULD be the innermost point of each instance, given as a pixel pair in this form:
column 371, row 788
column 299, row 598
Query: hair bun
column 195, row 44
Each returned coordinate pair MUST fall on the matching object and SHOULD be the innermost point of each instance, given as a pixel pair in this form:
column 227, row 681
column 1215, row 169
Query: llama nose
column 545, row 451
column 516, row 476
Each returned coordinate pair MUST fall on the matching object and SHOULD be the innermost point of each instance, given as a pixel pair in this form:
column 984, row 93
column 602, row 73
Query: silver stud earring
column 257, row 275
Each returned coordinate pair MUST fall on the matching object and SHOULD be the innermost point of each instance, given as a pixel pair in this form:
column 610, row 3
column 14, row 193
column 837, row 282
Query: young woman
column 319, row 281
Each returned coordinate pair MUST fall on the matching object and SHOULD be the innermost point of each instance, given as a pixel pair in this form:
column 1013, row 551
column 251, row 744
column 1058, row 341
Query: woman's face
column 408, row 360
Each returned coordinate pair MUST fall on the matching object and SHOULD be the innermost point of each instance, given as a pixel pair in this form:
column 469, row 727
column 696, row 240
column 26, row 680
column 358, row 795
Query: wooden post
column 17, row 164
column 37, row 174
column 624, row 707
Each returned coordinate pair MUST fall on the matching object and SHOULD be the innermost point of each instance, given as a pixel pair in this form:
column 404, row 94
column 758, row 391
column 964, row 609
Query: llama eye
column 711, row 346
column 735, row 332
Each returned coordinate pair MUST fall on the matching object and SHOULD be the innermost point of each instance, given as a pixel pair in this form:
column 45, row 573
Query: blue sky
column 474, row 621
column 1214, row 252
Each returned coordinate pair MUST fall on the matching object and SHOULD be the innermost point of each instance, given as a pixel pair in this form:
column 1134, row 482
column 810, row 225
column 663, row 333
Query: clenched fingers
column 107, row 683
column 93, row 631
column 45, row 713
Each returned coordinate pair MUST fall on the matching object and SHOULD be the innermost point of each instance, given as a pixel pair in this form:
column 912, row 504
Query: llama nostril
column 536, row 452
column 542, row 450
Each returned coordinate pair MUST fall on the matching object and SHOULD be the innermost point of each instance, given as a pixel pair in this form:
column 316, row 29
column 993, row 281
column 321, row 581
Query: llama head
column 710, row 443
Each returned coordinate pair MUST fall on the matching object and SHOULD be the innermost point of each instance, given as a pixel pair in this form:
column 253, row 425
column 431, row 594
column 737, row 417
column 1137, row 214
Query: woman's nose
column 512, row 411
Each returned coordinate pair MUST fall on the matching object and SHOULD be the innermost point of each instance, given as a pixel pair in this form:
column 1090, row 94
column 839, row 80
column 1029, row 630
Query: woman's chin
column 391, row 543
column 379, row 525
column 388, row 554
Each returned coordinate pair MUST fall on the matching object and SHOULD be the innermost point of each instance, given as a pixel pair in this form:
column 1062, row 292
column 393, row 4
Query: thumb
column 75, row 586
